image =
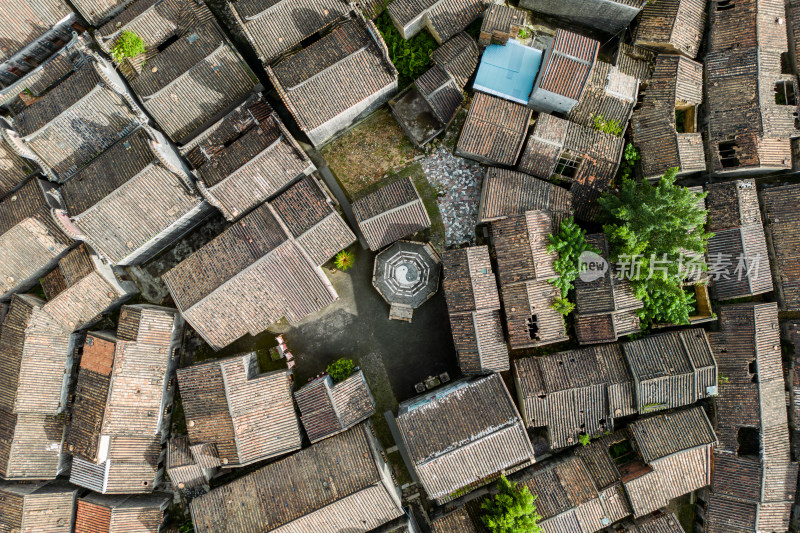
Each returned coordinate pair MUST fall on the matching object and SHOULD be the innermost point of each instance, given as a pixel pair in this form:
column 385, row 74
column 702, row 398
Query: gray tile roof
column 494, row 131
column 390, row 213
column 780, row 212
column 37, row 506
column 507, row 193
column 335, row 485
column 463, row 434
column 248, row 416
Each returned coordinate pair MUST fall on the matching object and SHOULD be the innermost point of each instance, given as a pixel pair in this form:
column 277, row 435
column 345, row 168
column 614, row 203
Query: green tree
column 569, row 243
column 563, row 306
column 651, row 231
column 511, row 510
column 341, row 369
column 128, row 44
column 344, row 260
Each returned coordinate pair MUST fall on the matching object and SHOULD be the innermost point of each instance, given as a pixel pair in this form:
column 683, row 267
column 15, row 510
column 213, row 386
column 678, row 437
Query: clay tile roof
column 568, row 65
column 275, row 27
column 446, row 18
column 98, row 513
column 739, row 244
column 327, row 408
column 507, row 193
column 13, row 168
column 780, row 210
column 441, row 92
column 88, row 95
column 272, row 256
column 749, row 353
column 458, row 56
column 24, row 21
column 192, row 81
column 462, row 435
column 120, row 396
column 610, row 93
column 245, row 158
column 457, row 521
column 575, row 391
column 37, row 506
column 473, row 303
column 660, row 436
column 494, row 131
column 103, row 198
column 675, row 81
column 674, row 26
column 352, row 59
column 390, row 213
column 249, row 416
column 338, row 478
column 30, row 239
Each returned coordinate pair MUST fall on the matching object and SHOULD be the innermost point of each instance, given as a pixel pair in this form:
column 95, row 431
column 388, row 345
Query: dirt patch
column 368, row 152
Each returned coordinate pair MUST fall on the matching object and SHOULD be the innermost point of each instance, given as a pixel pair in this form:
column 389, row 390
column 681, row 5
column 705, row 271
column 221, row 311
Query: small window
column 784, row 93
column 724, row 5
column 786, row 63
column 752, row 369
column 622, row 452
column 567, row 165
column 727, row 154
column 533, row 327
column 749, row 442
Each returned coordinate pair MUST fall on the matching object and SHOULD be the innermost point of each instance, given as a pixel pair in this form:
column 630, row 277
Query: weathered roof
column 13, row 168
column 55, row 128
column 457, row 521
column 121, row 396
column 634, row 61
column 746, row 127
column 671, row 457
column 30, row 240
column 463, row 434
column 442, row 93
column 780, row 211
column 37, row 506
column 671, row 369
column 473, row 304
column 262, row 268
column 249, row 416
column 245, row 158
column 325, row 79
column 30, row 447
column 97, row 11
column 674, row 26
column 606, row 300
column 494, row 131
column 507, row 193
column 336, row 485
column 675, row 82
column 739, row 246
column 610, row 93
column 445, row 18
column 390, row 213
column 275, row 27
column 568, row 64
column 22, row 22
column 567, row 498
column 752, row 396
column 98, row 513
column 103, row 199
column 575, row 392
column 188, row 466
column 458, row 56
column 327, row 408
column 192, row 81
column 598, row 154
column 500, row 18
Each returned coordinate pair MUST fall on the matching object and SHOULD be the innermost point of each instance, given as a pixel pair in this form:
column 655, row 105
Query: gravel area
column 458, row 181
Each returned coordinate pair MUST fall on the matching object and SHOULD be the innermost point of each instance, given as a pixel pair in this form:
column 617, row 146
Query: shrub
column 584, row 439
column 569, row 243
column 511, row 510
column 523, row 34
column 656, row 222
column 411, row 57
column 563, row 306
column 607, row 126
column 629, row 158
column 341, row 369
column 128, row 45
column 344, row 260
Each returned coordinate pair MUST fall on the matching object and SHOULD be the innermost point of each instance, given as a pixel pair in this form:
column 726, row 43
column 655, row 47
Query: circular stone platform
column 406, row 274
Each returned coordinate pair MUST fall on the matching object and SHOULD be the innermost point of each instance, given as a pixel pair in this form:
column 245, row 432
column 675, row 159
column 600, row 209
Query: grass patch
column 429, row 197
column 363, row 155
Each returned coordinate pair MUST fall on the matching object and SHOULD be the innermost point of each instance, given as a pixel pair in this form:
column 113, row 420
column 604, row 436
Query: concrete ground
column 358, row 325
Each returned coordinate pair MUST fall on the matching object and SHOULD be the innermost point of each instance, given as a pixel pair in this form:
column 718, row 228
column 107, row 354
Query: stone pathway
column 459, row 182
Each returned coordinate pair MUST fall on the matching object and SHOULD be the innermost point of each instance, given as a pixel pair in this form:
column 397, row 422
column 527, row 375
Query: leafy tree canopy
column 128, row 44
column 341, row 369
column 511, row 510
column 569, row 243
column 653, row 231
column 411, row 57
